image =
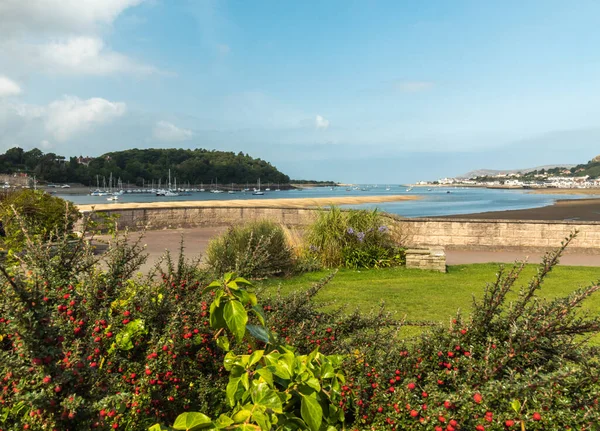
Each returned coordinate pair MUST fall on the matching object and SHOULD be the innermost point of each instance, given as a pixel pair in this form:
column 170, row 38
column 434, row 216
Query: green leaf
column 230, row 360
column 241, row 280
column 125, row 337
column 311, row 412
column 236, row 317
column 192, row 421
column 255, row 357
column 314, row 383
column 158, row 427
column 261, row 419
column 260, row 314
column 252, row 299
column 258, row 332
column 223, row 421
column 266, row 375
column 223, row 343
column 263, row 395
column 232, row 389
column 327, row 371
column 216, row 316
column 241, row 416
column 245, row 380
column 212, row 286
column 516, row 406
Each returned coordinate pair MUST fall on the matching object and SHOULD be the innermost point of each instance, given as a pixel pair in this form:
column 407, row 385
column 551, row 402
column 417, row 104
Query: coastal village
column 576, row 177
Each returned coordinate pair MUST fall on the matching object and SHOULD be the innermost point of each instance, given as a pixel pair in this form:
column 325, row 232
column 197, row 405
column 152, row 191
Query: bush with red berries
column 511, row 365
column 89, row 345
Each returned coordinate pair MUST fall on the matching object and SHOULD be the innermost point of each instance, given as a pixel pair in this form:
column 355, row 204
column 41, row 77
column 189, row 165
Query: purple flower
column 383, row 229
column 313, row 248
column 350, row 231
column 360, row 236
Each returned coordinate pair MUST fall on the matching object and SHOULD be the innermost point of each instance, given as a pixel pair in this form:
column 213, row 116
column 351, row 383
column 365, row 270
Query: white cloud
column 321, row 122
column 63, row 36
column 8, row 87
column 413, row 86
column 168, row 132
column 86, row 55
column 70, row 115
column 59, row 16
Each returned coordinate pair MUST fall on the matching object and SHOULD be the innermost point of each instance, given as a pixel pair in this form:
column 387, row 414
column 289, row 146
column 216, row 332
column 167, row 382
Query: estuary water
column 437, row 201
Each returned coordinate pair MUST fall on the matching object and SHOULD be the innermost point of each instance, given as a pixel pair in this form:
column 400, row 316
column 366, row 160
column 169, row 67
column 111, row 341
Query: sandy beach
column 247, row 203
column 562, row 210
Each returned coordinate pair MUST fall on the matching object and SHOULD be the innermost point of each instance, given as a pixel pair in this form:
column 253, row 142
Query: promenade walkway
column 196, row 240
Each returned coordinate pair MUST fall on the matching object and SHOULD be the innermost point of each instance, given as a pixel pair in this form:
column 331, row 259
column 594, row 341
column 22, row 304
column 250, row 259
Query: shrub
column 518, row 364
column 37, row 212
column 354, row 239
column 254, row 250
column 84, row 345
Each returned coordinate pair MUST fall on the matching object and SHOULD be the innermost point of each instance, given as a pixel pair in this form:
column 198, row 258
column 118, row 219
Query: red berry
column 509, row 423
column 411, row 386
column 477, row 398
column 414, row 413
column 537, row 416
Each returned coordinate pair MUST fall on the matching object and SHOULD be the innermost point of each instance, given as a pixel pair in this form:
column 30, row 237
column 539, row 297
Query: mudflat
column 249, row 203
column 562, row 210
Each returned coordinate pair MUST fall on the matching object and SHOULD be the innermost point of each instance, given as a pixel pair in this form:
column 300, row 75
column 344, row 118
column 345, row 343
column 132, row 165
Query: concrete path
column 196, row 240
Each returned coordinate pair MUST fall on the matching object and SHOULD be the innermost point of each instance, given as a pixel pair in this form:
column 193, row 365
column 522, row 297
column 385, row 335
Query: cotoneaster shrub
column 88, row 345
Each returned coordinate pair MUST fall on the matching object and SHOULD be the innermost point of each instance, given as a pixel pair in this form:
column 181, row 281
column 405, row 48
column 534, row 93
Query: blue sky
column 355, row 91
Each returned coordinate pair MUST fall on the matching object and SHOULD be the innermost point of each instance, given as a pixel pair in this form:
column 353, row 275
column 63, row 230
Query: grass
column 426, row 296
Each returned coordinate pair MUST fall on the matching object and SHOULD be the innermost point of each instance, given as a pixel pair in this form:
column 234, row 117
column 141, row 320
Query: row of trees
column 136, row 166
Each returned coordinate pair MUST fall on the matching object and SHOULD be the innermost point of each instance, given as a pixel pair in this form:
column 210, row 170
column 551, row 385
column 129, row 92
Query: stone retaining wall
column 451, row 234
column 457, row 234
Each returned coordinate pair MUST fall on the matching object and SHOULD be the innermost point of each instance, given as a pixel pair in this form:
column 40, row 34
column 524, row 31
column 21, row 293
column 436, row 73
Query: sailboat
column 216, row 189
column 170, row 192
column 257, row 192
column 113, row 196
column 277, row 189
column 201, row 186
column 231, row 192
column 268, row 188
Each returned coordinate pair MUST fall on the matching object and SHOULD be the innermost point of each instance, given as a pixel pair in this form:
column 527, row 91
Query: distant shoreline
column 249, row 203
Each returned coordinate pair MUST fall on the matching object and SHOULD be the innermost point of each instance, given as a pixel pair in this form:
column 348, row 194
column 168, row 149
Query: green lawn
column 426, row 295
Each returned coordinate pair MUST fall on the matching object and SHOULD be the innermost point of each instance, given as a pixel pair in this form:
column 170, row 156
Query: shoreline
column 249, row 203
column 561, row 210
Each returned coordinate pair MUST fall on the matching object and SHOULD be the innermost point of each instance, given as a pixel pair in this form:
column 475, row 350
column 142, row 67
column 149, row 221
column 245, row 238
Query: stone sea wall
column 466, row 234
column 423, row 232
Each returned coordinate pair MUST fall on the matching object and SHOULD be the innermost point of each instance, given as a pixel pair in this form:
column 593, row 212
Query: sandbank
column 249, row 203
column 562, row 210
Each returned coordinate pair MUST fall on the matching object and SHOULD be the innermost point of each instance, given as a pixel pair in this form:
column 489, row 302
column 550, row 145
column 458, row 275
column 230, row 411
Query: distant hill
column 492, row 172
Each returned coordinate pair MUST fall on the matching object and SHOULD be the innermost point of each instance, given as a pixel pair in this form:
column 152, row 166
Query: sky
column 352, row 91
